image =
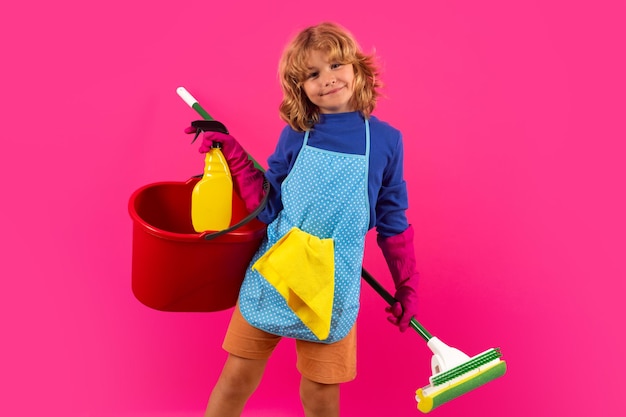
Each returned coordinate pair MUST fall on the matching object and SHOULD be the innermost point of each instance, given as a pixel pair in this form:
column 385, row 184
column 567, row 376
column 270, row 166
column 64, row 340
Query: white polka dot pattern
column 325, row 194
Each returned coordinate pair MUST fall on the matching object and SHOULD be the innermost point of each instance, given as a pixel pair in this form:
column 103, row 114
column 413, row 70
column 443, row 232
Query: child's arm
column 399, row 253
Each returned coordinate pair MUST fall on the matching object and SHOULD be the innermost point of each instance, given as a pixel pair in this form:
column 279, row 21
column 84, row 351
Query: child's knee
column 240, row 377
column 320, row 397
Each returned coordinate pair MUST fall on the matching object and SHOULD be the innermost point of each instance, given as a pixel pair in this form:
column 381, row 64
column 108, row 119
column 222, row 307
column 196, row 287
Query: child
column 336, row 172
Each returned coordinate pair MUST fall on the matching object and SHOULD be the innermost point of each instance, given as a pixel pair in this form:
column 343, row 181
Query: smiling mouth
column 333, row 91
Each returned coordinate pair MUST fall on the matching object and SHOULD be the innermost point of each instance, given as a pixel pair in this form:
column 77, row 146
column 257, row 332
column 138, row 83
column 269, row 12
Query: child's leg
column 323, row 367
column 319, row 400
column 238, row 380
column 249, row 349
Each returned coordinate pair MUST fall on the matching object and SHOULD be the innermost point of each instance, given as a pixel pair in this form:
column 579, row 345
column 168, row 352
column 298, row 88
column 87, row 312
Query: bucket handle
column 250, row 217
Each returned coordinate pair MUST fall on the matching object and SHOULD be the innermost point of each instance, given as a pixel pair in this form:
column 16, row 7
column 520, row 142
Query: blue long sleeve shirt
column 345, row 132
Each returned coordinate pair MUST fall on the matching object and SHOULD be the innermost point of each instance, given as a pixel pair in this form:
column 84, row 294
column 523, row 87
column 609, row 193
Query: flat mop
column 454, row 372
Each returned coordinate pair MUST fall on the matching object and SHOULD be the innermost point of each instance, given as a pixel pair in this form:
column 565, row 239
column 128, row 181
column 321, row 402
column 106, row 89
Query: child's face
column 329, row 84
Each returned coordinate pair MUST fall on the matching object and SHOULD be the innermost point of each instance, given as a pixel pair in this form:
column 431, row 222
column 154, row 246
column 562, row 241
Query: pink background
column 513, row 116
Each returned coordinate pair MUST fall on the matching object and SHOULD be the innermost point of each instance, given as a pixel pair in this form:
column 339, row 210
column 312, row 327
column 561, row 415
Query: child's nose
column 330, row 79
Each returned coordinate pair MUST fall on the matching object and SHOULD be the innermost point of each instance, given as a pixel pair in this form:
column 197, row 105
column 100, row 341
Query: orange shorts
column 332, row 363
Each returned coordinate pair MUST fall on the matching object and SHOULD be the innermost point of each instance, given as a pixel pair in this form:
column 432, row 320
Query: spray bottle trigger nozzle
column 208, row 126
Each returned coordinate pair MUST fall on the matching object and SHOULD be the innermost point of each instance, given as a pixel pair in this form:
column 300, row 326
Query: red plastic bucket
column 176, row 269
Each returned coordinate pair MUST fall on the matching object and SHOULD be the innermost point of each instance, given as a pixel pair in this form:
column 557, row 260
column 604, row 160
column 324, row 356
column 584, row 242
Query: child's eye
column 312, row 74
column 336, row 65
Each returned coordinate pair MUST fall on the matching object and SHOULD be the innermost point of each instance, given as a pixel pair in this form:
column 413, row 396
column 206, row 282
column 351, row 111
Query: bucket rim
column 235, row 234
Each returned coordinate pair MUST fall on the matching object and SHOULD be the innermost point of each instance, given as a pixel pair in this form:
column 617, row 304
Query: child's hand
column 208, row 138
column 401, row 312
column 247, row 180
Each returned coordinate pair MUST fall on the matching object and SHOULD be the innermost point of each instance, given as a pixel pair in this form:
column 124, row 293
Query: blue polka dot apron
column 325, row 204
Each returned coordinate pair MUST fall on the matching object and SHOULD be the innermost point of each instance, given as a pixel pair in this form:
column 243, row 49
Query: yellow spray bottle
column 212, row 196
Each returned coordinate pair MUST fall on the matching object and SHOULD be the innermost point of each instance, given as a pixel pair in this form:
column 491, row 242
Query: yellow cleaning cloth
column 302, row 269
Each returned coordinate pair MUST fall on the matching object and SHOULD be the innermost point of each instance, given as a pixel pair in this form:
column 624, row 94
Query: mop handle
column 193, row 103
column 390, row 300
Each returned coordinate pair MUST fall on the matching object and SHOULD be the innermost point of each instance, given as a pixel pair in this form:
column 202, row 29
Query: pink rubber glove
column 247, row 179
column 399, row 253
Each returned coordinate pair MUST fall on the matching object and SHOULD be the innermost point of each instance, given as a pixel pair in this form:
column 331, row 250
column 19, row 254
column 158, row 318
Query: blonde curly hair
column 295, row 108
